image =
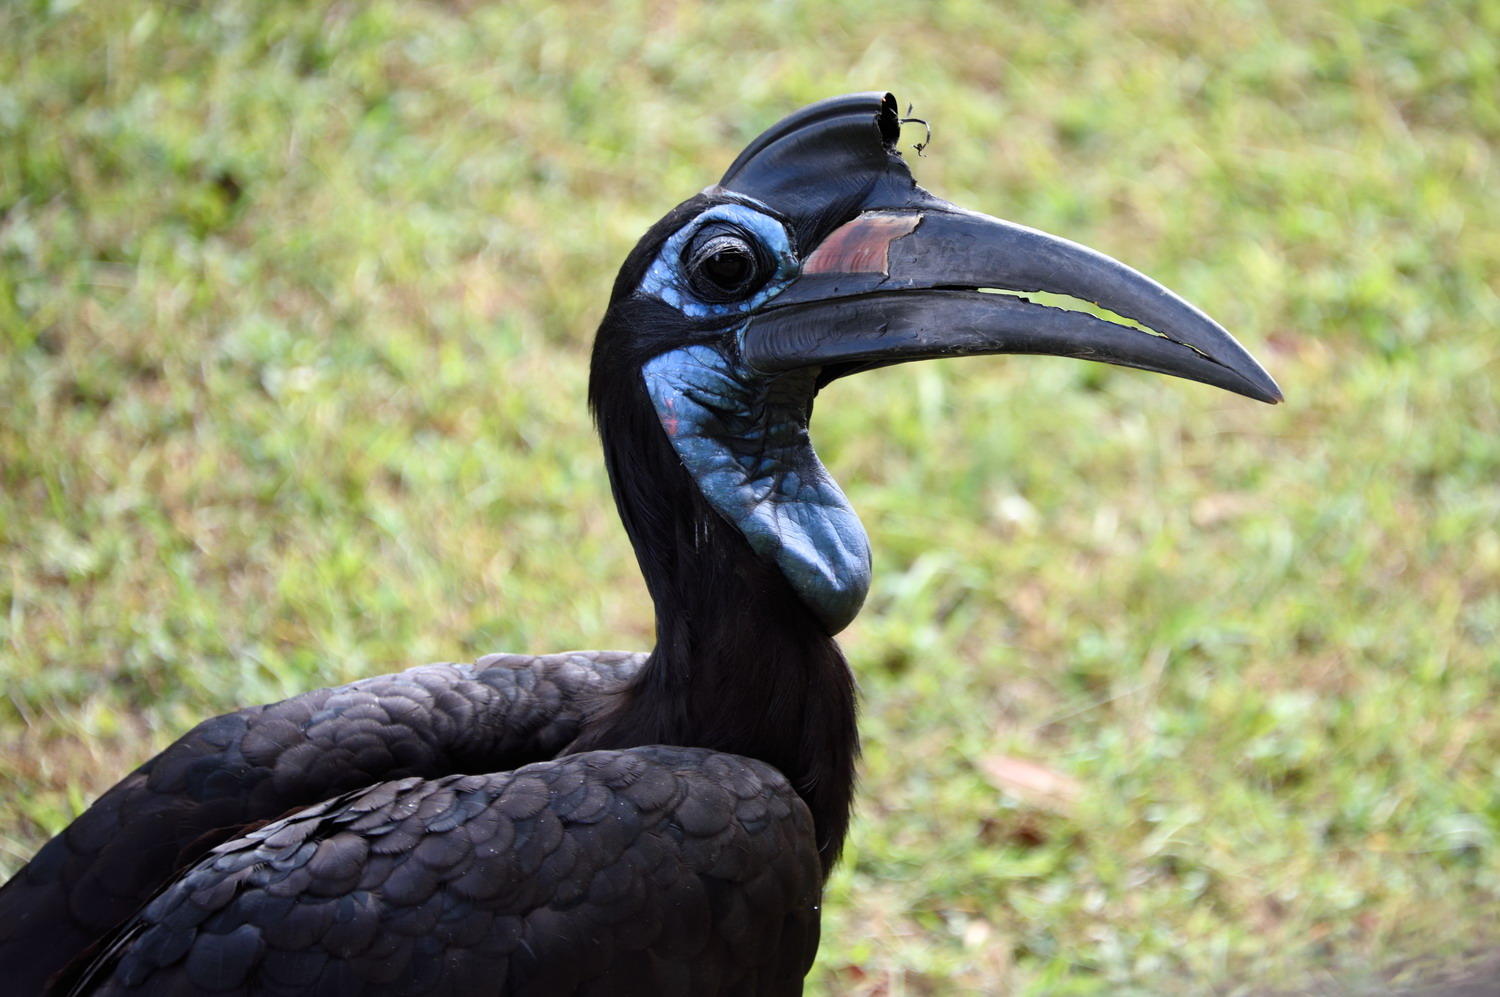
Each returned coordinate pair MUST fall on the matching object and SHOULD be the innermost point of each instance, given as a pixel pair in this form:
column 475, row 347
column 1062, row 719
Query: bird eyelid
column 667, row 278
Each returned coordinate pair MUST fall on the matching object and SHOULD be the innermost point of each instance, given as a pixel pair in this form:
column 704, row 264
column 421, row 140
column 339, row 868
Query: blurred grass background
column 1164, row 691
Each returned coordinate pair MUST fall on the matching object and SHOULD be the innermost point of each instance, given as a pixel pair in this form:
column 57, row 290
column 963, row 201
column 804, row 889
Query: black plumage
column 259, row 763
column 650, row 870
column 606, row 823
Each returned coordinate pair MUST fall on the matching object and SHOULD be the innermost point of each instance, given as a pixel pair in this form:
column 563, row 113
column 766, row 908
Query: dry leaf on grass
column 1030, row 783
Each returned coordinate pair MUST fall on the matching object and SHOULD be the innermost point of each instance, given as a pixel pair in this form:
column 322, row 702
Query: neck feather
column 741, row 664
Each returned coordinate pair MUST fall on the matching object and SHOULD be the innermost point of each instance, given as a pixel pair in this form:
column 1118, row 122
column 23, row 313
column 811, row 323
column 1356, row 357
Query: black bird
column 606, row 823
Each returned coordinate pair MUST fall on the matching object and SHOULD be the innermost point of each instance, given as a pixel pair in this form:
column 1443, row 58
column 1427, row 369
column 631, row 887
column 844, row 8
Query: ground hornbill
column 608, row 823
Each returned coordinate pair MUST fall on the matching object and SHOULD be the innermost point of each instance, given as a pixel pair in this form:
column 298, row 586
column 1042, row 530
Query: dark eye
column 728, row 265
column 724, row 264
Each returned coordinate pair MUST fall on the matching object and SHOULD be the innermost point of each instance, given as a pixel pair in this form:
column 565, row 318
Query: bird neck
column 741, row 664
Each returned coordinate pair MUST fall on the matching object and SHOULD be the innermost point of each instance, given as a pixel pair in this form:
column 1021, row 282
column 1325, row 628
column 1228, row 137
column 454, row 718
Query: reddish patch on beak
column 862, row 245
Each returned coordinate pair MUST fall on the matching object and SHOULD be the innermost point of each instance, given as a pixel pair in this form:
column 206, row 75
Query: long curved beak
column 918, row 283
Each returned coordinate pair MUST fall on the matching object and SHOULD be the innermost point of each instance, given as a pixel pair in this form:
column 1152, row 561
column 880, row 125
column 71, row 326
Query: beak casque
column 910, row 276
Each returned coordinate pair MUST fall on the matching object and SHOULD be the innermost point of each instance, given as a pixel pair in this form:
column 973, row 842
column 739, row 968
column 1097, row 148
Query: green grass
column 295, row 305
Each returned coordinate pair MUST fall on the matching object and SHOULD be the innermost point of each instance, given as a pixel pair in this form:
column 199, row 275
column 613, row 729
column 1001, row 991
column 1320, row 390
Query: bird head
column 817, row 256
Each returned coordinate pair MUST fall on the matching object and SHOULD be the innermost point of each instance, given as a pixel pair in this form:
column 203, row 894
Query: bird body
column 605, row 823
column 256, row 764
column 647, row 870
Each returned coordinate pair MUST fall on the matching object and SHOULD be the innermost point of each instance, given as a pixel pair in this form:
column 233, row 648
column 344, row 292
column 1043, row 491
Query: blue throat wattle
column 744, row 441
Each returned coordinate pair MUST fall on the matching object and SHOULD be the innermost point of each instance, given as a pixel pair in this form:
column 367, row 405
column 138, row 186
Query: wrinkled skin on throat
column 744, row 440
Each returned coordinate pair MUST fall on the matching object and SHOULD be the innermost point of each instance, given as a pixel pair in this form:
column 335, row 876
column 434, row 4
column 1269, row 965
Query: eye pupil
column 724, row 264
column 729, row 267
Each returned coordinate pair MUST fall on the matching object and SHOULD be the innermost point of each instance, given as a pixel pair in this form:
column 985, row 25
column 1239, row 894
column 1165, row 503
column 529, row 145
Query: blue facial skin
column 743, row 435
column 665, row 280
